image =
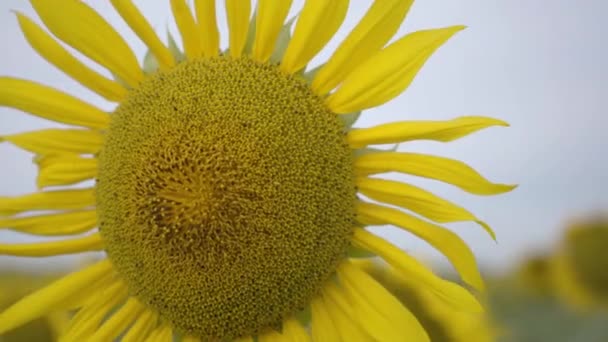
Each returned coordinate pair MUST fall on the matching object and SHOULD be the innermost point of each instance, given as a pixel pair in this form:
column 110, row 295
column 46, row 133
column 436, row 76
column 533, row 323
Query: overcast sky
column 540, row 65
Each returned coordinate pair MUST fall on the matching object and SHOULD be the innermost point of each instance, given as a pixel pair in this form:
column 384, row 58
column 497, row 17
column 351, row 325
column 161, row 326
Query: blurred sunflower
column 228, row 184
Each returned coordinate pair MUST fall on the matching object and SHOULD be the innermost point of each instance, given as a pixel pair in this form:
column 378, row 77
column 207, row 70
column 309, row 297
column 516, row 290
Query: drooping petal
column 88, row 243
column 319, row 21
column 341, row 314
column 269, row 21
column 65, row 223
column 237, row 13
column 84, row 29
column 450, row 292
column 64, row 169
column 187, row 28
column 49, row 200
column 142, row 28
column 47, row 299
column 207, row 24
column 397, row 132
column 322, row 325
column 373, row 31
column 49, row 103
column 119, row 321
column 389, row 72
column 381, row 314
column 439, row 168
column 163, row 333
column 56, row 140
column 57, row 55
column 447, row 242
column 417, row 200
column 142, row 327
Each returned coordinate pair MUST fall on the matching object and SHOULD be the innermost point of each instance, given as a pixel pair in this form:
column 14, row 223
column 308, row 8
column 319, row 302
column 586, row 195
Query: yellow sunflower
column 229, row 184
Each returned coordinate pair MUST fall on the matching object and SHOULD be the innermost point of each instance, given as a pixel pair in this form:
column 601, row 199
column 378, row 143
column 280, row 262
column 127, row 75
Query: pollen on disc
column 226, row 195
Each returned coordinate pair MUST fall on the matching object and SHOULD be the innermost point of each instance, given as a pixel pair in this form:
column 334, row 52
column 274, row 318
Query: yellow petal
column 88, row 243
column 142, row 327
column 163, row 333
column 119, row 321
column 64, row 169
column 269, row 21
column 49, row 200
column 190, row 339
column 292, row 331
column 375, row 29
column 443, row 169
column 417, row 200
column 237, row 13
column 319, row 21
column 448, row 243
column 207, row 24
column 142, row 28
column 187, row 28
column 340, row 311
column 322, row 326
column 449, row 292
column 81, row 27
column 66, row 223
column 49, row 103
column 398, row 132
column 389, row 72
column 57, row 55
column 45, row 300
column 55, row 140
column 381, row 314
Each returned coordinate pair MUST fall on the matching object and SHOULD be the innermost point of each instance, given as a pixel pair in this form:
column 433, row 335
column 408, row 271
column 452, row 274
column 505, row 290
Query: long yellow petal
column 187, row 28
column 142, row 28
column 442, row 169
column 49, row 103
column 398, row 132
column 389, row 72
column 322, row 326
column 380, row 313
column 207, row 24
column 292, row 331
column 319, row 21
column 57, row 55
column 66, row 223
column 85, row 30
column 49, row 200
column 163, row 333
column 91, row 300
column 417, row 200
column 269, row 21
column 119, row 321
column 89, row 243
column 340, row 311
column 375, row 29
column 142, row 327
column 447, row 242
column 237, row 13
column 45, row 300
column 64, row 169
column 56, row 140
column 449, row 292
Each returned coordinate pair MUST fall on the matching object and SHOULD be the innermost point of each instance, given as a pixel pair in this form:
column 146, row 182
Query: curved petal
column 389, row 72
column 142, row 327
column 397, row 132
column 187, row 28
column 442, row 169
column 319, row 21
column 57, row 55
column 269, row 21
column 49, row 200
column 86, row 31
column 207, row 24
column 65, row 223
column 142, row 28
column 341, row 314
column 237, row 13
column 88, row 243
column 49, row 103
column 64, row 169
column 447, row 242
column 375, row 29
column 322, row 326
column 56, row 140
column 46, row 300
column 119, row 321
column 417, row 200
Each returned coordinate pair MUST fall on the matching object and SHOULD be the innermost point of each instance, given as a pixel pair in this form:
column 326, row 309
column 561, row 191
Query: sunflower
column 231, row 190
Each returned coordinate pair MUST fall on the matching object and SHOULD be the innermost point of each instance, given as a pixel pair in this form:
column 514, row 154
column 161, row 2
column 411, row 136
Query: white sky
column 540, row 65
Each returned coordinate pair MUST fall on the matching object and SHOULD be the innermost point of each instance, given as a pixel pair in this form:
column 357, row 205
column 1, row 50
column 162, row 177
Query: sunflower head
column 232, row 191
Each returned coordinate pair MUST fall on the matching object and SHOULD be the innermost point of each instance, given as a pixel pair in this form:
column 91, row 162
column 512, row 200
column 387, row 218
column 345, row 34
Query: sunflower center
column 226, row 195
